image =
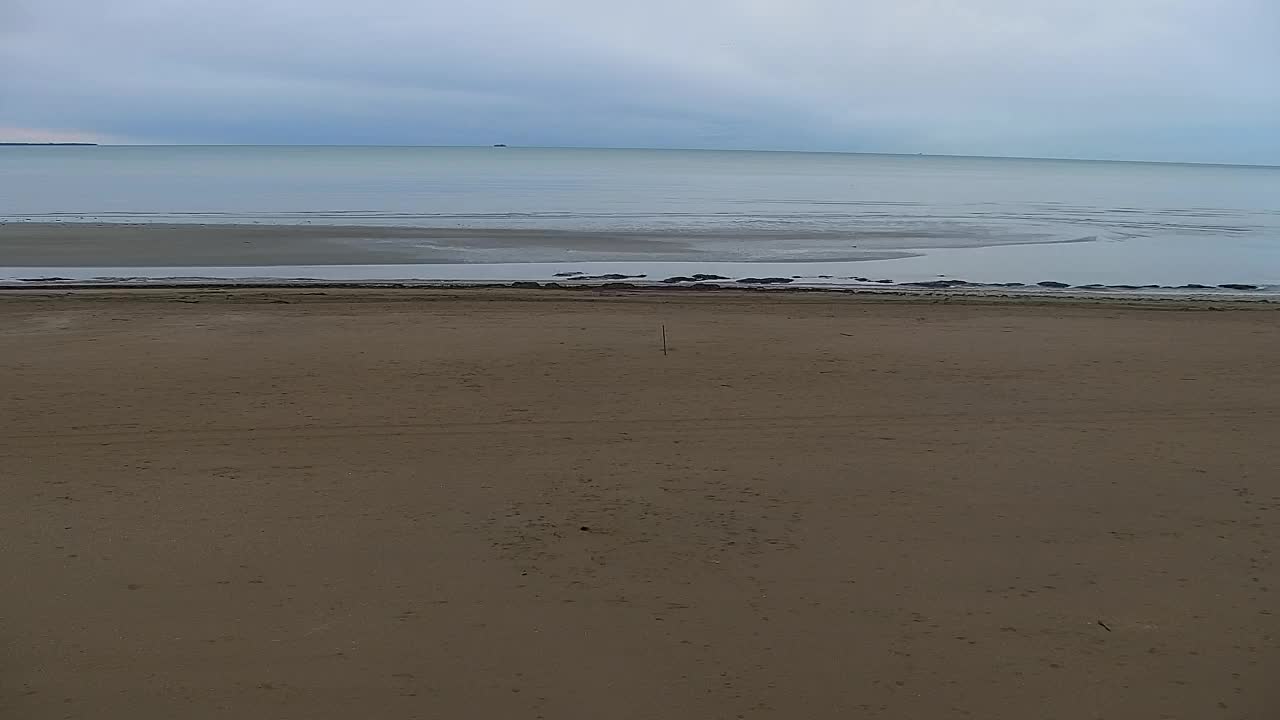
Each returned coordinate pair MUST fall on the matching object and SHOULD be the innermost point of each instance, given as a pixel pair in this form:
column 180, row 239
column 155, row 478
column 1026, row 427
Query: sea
column 588, row 215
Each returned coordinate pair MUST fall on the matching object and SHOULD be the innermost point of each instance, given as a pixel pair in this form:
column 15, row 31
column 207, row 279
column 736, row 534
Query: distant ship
column 499, row 145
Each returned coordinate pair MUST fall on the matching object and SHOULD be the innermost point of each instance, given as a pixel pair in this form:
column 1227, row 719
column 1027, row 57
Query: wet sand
column 85, row 244
column 494, row 503
column 163, row 244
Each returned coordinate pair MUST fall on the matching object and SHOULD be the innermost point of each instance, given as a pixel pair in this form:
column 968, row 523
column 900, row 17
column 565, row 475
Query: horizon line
column 503, row 146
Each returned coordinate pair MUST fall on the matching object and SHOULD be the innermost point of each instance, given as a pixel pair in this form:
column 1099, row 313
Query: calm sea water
column 1138, row 220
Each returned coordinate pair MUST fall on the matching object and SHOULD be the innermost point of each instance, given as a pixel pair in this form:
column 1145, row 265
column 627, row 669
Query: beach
column 329, row 503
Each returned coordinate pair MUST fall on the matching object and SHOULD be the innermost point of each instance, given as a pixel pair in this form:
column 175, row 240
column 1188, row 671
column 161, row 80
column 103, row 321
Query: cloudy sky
column 1194, row 80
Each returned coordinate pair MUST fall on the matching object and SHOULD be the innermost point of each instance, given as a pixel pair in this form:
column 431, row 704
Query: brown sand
column 494, row 504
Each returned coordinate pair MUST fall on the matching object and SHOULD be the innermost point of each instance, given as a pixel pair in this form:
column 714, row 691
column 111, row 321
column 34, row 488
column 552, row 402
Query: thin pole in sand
column 664, row 340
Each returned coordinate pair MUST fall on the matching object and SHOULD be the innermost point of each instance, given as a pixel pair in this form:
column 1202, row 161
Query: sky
column 1178, row 80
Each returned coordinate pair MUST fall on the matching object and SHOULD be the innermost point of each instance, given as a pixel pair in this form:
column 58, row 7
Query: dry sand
column 495, row 504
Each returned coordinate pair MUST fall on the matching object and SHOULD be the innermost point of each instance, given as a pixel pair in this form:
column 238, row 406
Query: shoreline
column 336, row 293
column 40, row 254
column 943, row 289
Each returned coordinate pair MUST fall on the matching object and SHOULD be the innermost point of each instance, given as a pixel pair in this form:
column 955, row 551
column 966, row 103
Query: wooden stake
column 664, row 339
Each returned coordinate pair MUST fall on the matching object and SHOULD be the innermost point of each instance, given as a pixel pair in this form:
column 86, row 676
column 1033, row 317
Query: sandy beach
column 158, row 244
column 90, row 244
column 505, row 504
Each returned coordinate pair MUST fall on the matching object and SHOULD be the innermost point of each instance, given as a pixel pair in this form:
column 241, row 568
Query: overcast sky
column 1194, row 80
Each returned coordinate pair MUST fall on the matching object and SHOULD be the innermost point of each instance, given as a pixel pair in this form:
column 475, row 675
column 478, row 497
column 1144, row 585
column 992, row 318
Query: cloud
column 48, row 135
column 1152, row 79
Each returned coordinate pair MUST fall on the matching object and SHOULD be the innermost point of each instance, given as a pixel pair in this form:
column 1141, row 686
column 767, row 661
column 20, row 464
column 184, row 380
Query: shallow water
column 983, row 219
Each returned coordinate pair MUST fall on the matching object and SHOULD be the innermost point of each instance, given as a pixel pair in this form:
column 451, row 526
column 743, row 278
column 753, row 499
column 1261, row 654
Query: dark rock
column 696, row 277
column 1052, row 284
column 884, row 282
column 552, row 285
column 1123, row 287
column 584, row 528
column 570, row 274
column 611, row 276
column 765, row 281
column 1094, row 286
column 703, row 286
column 617, row 286
column 1194, row 286
column 43, row 279
column 1238, row 286
column 525, row 284
column 860, row 279
column 939, row 283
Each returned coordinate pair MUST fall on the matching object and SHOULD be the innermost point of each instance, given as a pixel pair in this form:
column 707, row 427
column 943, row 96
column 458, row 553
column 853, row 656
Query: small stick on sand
column 664, row 339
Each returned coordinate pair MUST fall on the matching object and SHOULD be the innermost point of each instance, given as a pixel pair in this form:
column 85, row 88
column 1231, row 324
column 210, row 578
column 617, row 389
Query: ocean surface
column 533, row 213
